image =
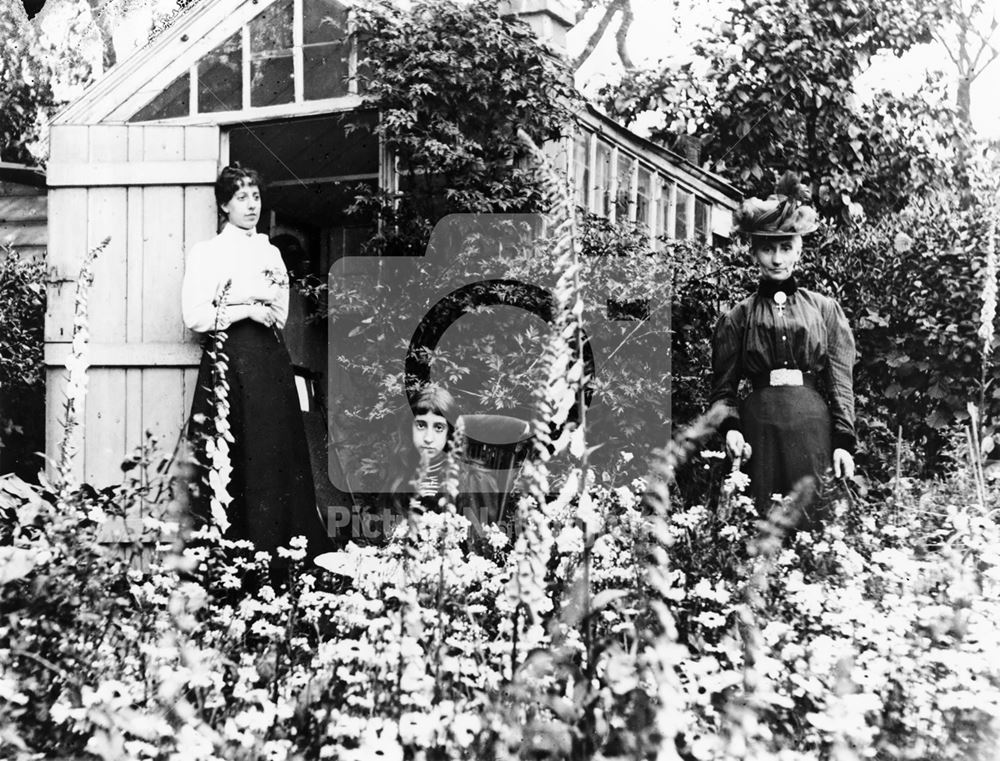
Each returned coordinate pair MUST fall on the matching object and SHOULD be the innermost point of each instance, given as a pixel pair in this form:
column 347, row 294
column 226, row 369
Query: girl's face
column 430, row 435
column 777, row 257
column 243, row 209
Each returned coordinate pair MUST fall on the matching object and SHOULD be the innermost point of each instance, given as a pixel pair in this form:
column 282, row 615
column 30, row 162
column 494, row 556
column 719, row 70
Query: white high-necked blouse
column 250, row 262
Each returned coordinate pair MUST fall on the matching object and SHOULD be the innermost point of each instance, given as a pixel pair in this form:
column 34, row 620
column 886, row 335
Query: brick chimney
column 550, row 19
column 689, row 146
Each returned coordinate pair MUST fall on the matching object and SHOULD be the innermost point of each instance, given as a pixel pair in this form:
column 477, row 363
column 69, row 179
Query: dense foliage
column 24, row 86
column 22, row 314
column 454, row 84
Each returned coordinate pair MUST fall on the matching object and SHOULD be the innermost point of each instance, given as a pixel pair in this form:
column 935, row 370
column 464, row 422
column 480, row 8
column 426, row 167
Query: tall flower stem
column 76, row 369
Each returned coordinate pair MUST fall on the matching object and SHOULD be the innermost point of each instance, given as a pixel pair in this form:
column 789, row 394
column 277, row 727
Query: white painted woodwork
column 148, row 189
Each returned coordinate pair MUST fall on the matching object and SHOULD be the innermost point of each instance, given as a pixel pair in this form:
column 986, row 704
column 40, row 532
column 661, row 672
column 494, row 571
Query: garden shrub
column 22, row 379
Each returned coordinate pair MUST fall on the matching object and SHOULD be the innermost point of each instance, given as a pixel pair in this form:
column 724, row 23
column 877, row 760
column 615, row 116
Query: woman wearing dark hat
column 791, row 344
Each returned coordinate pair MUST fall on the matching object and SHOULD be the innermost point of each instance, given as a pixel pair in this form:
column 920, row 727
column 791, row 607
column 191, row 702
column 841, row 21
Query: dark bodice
column 810, row 333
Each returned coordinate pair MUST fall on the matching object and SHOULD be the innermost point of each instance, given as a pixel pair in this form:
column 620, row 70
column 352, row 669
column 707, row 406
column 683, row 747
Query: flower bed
column 615, row 625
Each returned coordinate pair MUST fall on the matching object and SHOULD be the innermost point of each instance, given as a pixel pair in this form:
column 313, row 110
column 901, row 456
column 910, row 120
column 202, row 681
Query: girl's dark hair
column 431, row 399
column 231, row 179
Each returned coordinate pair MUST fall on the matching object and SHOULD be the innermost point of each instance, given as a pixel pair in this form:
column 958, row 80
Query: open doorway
column 312, row 168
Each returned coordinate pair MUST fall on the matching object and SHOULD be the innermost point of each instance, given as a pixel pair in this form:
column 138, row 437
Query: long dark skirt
column 789, row 429
column 271, row 483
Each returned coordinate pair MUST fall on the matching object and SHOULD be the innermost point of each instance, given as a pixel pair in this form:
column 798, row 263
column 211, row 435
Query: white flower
column 626, row 496
column 465, row 727
column 416, row 729
column 380, row 740
column 570, row 540
column 192, row 745
column 902, row 243
column 710, row 619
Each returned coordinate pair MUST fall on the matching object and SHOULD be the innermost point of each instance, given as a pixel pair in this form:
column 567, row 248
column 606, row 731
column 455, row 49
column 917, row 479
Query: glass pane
column 701, row 212
column 175, row 100
column 643, row 194
column 326, row 70
column 272, row 29
column 663, row 206
column 323, row 21
column 602, row 178
column 581, row 172
column 272, row 80
column 624, row 187
column 271, row 68
column 220, row 78
column 680, row 214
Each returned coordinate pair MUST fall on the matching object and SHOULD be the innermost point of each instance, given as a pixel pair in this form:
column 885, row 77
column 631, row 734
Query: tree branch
column 985, row 45
column 944, row 43
column 628, row 17
column 609, row 13
column 612, row 9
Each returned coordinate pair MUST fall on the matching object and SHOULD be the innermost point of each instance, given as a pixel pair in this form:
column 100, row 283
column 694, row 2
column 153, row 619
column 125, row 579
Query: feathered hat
column 780, row 214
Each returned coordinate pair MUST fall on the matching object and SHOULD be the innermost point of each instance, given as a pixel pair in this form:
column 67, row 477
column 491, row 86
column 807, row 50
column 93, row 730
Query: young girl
column 236, row 282
column 419, row 468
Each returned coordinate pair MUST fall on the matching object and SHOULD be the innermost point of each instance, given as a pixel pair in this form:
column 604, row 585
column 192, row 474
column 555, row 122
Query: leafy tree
column 454, row 84
column 34, row 67
column 24, row 86
column 777, row 92
column 971, row 43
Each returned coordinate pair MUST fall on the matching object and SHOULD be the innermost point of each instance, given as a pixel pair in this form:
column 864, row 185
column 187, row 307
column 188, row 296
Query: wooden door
column 148, row 188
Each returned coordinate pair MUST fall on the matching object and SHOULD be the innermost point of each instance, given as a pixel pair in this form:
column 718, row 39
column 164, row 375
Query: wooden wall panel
column 107, row 212
column 69, row 142
column 133, row 409
column 134, row 266
column 163, row 264
column 163, row 143
column 163, row 410
column 67, row 246
column 200, row 144
column 106, row 412
column 143, row 374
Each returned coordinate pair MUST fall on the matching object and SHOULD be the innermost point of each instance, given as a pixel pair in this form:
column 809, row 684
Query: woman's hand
column 737, row 445
column 843, row 464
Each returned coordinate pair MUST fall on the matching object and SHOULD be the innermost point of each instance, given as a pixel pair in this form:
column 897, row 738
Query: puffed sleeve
column 276, row 270
column 840, row 375
column 727, row 345
column 198, row 292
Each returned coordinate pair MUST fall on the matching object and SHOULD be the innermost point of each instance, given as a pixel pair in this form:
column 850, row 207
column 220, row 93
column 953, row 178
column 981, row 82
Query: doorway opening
column 313, row 168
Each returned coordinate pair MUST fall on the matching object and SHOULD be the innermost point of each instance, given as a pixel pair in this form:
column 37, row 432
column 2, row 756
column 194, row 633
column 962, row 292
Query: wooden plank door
column 150, row 189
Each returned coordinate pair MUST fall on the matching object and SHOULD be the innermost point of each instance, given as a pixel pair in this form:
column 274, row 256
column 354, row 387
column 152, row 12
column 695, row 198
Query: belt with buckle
column 783, row 376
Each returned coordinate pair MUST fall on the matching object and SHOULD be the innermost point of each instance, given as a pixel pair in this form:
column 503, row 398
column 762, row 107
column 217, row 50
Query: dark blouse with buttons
column 810, row 334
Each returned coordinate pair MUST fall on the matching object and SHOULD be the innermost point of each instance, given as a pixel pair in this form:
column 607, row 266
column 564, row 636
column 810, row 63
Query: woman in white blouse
column 236, row 282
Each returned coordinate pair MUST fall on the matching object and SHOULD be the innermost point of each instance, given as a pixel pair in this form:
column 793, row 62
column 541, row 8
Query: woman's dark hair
column 231, row 179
